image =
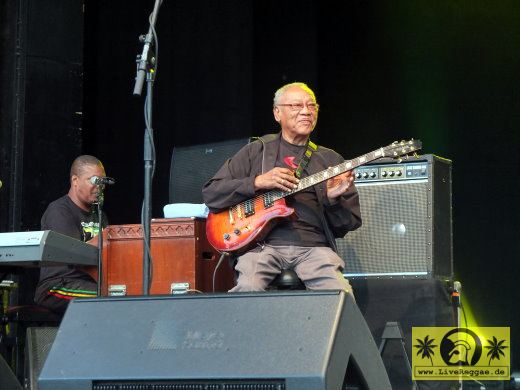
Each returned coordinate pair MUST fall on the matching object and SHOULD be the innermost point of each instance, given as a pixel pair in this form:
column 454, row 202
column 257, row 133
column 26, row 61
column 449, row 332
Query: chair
column 287, row 280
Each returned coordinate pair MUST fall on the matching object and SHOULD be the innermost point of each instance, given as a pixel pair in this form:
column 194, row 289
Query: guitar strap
column 311, row 148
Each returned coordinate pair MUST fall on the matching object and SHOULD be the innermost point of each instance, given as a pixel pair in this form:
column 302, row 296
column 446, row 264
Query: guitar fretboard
column 335, row 171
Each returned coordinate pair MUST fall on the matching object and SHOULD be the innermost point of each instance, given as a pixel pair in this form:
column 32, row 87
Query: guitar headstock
column 398, row 149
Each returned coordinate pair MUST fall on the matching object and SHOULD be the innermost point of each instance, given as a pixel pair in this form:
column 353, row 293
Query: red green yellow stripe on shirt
column 67, row 293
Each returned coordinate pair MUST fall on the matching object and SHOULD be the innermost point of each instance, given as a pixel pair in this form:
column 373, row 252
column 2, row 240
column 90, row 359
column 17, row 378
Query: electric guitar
column 238, row 228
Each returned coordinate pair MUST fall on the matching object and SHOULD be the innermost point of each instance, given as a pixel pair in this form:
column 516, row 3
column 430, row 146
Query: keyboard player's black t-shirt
column 65, row 217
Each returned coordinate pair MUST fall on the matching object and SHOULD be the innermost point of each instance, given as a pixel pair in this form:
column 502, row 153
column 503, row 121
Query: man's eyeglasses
column 312, row 107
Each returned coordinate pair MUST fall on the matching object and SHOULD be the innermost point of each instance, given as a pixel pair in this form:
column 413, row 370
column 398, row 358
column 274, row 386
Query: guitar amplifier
column 407, row 221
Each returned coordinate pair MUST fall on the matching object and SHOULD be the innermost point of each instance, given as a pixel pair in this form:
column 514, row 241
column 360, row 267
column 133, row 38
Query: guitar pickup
column 249, row 207
column 268, row 199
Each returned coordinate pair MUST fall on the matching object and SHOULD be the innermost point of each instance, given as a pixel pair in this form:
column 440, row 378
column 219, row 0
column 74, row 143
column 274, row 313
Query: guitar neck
column 327, row 174
column 396, row 149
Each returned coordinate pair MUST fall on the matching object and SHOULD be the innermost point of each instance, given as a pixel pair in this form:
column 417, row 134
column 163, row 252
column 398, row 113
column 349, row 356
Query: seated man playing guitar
column 269, row 169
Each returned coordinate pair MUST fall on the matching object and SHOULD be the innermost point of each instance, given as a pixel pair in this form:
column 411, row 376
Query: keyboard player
column 73, row 215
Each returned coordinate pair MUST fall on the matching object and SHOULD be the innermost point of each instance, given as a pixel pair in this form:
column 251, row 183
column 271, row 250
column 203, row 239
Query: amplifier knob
column 383, row 173
column 372, row 174
column 358, row 175
column 365, row 175
column 392, row 173
column 399, row 173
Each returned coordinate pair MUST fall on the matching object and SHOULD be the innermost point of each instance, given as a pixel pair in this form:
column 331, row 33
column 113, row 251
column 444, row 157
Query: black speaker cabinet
column 242, row 341
column 192, row 166
column 407, row 221
column 38, row 343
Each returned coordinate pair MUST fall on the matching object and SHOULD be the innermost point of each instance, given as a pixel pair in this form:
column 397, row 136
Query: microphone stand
column 146, row 68
column 455, row 301
column 99, row 206
column 456, row 306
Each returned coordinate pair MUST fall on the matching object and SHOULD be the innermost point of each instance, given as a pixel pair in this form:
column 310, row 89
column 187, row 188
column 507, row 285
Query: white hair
column 279, row 93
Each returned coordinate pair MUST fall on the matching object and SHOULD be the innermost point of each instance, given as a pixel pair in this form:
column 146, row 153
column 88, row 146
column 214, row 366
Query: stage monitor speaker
column 38, row 343
column 407, row 221
column 192, row 166
column 242, row 341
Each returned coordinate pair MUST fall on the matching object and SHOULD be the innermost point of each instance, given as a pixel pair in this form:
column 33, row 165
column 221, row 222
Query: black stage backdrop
column 445, row 72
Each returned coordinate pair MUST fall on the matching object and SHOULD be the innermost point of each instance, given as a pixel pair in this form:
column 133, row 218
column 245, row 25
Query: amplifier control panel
column 390, row 172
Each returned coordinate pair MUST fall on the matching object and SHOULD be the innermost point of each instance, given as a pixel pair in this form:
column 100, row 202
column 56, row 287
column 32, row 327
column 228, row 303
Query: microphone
column 98, row 181
column 457, row 286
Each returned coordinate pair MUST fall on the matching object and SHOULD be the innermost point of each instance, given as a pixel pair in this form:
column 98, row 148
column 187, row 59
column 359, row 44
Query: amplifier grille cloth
column 393, row 237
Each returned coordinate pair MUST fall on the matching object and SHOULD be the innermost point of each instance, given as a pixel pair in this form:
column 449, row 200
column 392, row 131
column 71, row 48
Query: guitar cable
column 224, row 254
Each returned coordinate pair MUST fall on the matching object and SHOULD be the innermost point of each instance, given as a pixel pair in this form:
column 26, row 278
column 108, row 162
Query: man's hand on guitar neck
column 282, row 178
column 338, row 185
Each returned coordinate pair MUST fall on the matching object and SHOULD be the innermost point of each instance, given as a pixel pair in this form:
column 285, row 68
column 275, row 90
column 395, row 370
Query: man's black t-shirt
column 65, row 217
column 307, row 229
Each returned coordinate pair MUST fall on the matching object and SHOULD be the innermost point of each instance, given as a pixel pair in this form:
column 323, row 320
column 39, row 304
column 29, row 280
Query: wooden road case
column 182, row 259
